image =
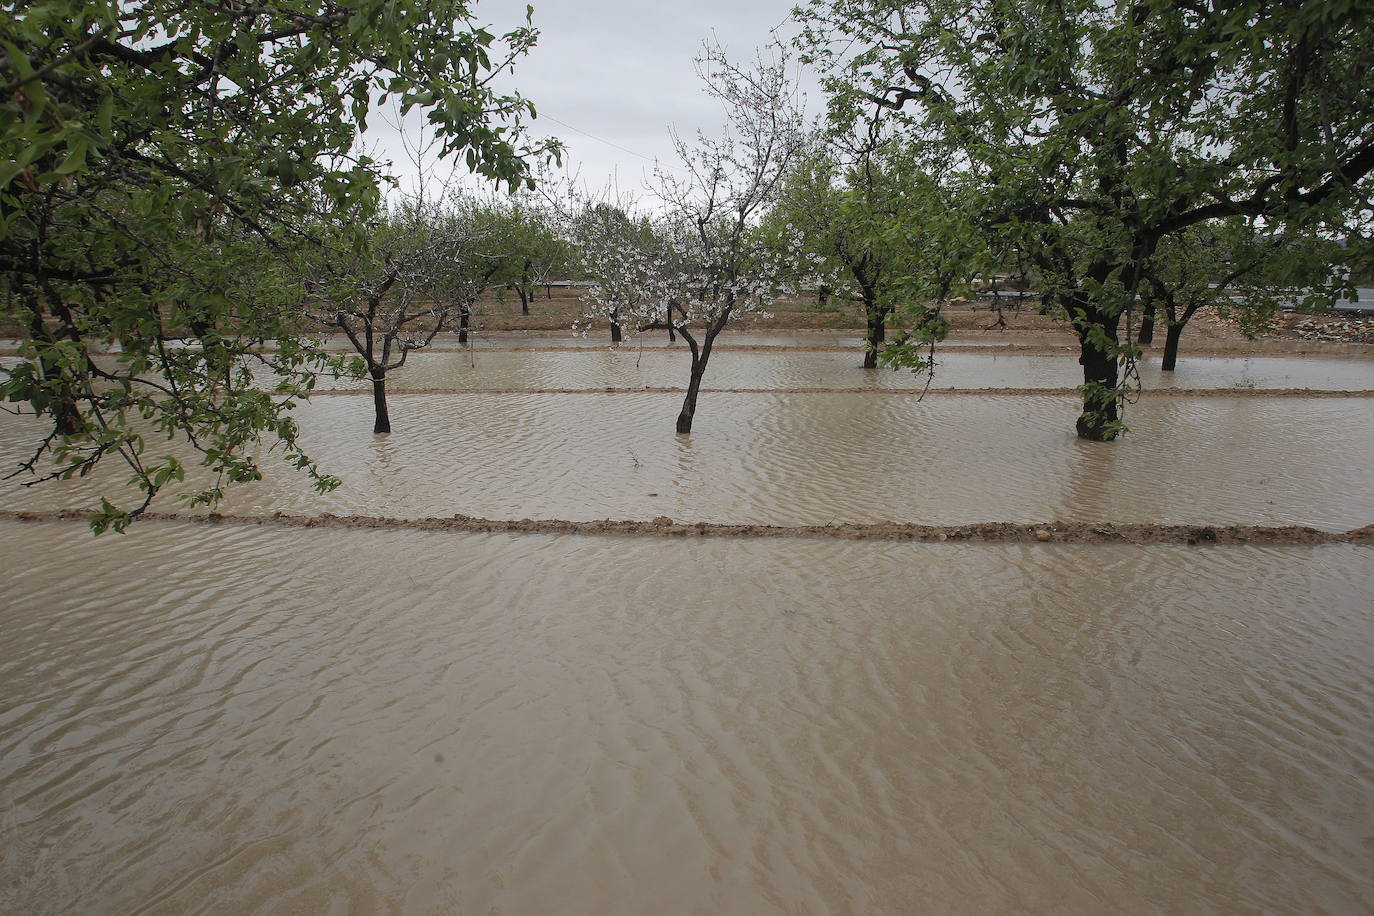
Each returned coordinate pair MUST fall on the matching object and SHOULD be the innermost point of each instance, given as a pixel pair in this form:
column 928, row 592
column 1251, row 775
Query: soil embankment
column 662, row 526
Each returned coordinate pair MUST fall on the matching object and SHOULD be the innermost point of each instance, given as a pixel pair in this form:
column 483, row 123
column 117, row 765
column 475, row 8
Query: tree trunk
column 1147, row 325
column 877, row 334
column 463, row 325
column 689, row 403
column 525, row 290
column 65, row 414
column 67, row 419
column 383, row 421
column 1100, row 414
column 1171, row 336
column 699, row 359
column 672, row 337
column 615, row 330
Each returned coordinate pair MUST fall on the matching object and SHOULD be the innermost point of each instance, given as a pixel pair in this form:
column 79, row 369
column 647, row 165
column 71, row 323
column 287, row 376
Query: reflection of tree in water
column 381, row 457
column 1094, row 477
column 687, row 478
column 1184, row 463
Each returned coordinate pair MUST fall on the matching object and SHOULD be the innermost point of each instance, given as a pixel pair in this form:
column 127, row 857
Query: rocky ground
column 1351, row 329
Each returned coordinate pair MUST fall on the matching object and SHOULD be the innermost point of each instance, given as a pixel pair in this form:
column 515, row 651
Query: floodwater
column 225, row 719
column 808, row 459
column 591, row 367
column 211, row 719
column 600, row 339
column 628, row 368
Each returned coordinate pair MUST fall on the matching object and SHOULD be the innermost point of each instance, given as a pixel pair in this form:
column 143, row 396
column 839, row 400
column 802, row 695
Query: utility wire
column 596, row 138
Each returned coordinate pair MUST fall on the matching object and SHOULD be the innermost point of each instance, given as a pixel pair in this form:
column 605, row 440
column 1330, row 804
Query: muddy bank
column 981, row 533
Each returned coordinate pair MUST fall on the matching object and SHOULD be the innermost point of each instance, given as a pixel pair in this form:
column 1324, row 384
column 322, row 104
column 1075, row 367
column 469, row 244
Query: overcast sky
column 611, row 78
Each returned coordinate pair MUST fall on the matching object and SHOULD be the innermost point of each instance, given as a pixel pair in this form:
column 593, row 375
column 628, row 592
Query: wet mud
column 664, row 527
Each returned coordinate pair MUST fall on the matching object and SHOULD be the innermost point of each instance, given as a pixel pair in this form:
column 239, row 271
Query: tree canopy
column 157, row 162
column 1089, row 132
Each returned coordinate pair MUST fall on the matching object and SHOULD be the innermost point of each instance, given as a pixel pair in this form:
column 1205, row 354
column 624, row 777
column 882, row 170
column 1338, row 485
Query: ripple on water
column 234, row 718
column 591, row 366
column 629, row 368
column 813, row 459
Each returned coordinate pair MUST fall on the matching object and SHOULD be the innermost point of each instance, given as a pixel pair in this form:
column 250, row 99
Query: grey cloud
column 624, row 73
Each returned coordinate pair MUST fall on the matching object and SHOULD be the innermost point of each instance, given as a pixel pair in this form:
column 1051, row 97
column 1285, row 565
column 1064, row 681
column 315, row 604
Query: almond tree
column 532, row 250
column 844, row 228
column 711, row 260
column 1236, row 270
column 889, row 237
column 1095, row 130
column 621, row 255
column 150, row 152
column 392, row 287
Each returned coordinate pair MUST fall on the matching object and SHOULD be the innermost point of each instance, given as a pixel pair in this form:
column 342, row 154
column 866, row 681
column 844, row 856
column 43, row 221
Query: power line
column 597, row 139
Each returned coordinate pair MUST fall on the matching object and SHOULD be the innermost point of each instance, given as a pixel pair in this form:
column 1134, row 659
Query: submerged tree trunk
column 1097, row 337
column 689, row 403
column 63, row 406
column 383, row 420
column 877, row 333
column 699, row 359
column 1171, row 337
column 1147, row 325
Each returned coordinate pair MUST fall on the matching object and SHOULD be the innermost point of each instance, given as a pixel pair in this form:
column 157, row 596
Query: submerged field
column 220, row 718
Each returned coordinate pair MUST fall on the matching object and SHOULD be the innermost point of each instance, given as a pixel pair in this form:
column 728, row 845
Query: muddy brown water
column 627, row 368
column 236, row 719
column 601, row 340
column 227, row 720
column 809, row 459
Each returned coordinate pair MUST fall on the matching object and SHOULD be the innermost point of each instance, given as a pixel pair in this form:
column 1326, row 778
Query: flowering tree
column 705, row 258
column 395, row 286
column 710, row 274
column 619, row 253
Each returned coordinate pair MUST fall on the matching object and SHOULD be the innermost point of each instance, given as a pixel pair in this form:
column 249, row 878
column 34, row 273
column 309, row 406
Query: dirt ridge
column 662, row 526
